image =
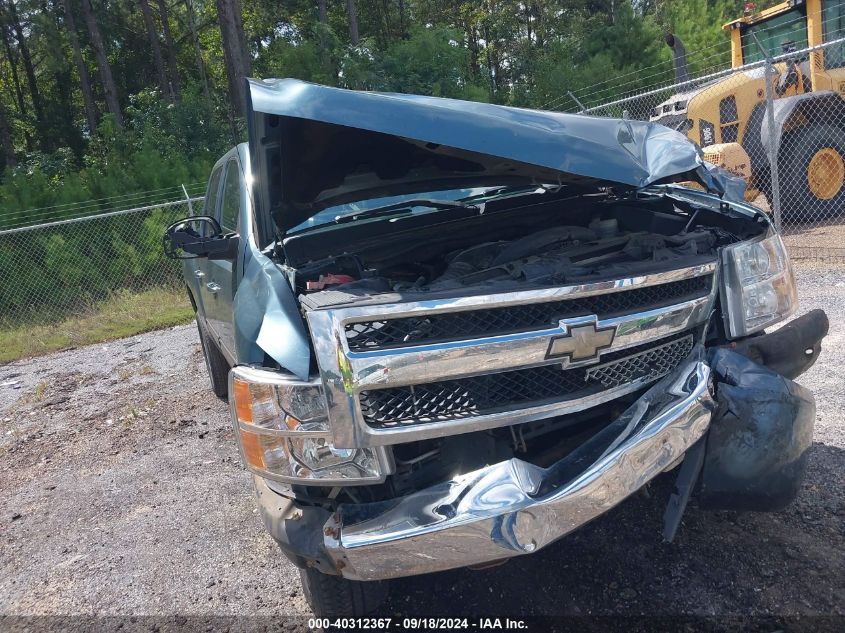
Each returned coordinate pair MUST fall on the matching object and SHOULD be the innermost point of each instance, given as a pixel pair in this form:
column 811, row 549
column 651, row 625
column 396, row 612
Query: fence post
column 188, row 198
column 774, row 141
column 575, row 99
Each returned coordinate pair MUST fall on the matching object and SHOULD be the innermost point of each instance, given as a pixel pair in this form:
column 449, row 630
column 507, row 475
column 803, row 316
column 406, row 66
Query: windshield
column 833, row 17
column 330, row 214
column 782, row 34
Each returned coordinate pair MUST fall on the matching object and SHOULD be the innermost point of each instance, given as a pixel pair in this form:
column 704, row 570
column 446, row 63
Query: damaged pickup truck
column 452, row 333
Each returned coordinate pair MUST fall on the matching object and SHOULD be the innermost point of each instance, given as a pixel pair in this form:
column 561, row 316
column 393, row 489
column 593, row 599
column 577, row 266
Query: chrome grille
column 477, row 395
column 476, row 376
column 451, row 326
column 655, row 363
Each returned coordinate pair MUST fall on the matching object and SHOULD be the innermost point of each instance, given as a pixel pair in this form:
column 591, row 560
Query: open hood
column 313, row 147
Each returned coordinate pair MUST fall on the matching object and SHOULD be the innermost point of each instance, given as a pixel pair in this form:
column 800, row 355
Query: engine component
column 329, row 280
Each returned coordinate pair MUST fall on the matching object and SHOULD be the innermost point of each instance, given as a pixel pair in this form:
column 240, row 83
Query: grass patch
column 123, row 314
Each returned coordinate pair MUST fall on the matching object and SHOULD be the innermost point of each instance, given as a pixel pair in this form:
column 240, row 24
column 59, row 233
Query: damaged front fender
column 266, row 317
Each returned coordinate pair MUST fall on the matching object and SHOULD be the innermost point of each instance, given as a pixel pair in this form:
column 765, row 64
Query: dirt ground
column 121, row 493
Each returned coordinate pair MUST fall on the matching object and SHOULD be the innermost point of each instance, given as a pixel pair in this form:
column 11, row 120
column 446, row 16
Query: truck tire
column 334, row 596
column 812, row 172
column 215, row 363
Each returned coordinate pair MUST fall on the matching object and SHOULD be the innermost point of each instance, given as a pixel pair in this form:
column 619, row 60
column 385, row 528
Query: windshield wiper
column 504, row 190
column 406, row 204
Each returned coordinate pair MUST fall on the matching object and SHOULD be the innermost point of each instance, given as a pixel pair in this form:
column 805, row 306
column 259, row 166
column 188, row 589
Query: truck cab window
column 833, row 18
column 231, row 198
column 211, row 195
column 782, row 34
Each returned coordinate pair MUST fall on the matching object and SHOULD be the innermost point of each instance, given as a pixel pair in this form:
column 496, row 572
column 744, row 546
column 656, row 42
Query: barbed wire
column 638, row 77
column 42, row 214
column 621, row 88
column 116, row 197
column 608, row 84
column 669, row 63
column 681, row 87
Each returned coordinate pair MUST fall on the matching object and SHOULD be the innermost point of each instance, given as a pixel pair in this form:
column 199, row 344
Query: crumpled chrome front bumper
column 512, row 507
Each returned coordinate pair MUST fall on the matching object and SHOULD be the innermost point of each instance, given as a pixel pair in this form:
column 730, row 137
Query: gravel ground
column 121, row 494
column 814, row 238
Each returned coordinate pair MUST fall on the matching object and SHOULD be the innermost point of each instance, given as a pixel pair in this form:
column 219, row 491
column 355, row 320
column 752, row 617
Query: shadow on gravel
column 722, row 563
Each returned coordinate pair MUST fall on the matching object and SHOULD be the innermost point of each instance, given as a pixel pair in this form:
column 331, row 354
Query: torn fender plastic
column 758, row 440
column 790, row 350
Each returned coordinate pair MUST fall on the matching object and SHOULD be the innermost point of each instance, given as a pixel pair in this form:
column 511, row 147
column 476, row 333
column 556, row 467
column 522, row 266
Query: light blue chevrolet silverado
column 451, row 333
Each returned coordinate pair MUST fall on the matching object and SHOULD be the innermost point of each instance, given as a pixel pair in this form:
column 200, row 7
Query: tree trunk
column 472, row 44
column 403, row 27
column 6, row 139
column 60, row 110
column 529, row 35
column 244, row 59
column 13, row 66
column 321, row 6
column 28, row 68
column 158, row 60
column 109, row 87
column 172, row 68
column 388, row 27
column 352, row 12
column 488, row 54
column 20, row 103
column 84, row 79
column 234, row 53
column 189, row 12
column 539, row 26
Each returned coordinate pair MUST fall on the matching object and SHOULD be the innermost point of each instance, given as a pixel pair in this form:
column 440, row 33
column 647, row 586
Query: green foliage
column 361, row 69
column 430, row 62
column 161, row 145
column 315, row 58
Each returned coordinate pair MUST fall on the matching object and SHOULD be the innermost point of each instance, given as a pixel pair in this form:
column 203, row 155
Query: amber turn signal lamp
column 243, row 400
column 253, row 452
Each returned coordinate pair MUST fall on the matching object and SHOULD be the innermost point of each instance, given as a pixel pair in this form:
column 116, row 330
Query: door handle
column 199, row 274
column 212, row 287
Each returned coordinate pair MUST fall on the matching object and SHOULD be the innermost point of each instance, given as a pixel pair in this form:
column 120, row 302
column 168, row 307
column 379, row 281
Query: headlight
column 283, row 432
column 758, row 285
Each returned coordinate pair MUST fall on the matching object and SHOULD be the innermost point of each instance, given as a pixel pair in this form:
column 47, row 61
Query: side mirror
column 199, row 236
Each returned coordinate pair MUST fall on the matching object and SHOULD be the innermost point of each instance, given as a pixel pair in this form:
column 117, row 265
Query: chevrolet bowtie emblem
column 581, row 341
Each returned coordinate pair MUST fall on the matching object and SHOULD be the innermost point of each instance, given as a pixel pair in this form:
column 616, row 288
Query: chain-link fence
column 778, row 121
column 66, row 266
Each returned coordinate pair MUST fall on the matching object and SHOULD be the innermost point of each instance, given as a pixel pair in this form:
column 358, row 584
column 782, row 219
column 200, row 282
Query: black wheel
column 333, row 596
column 215, row 362
column 812, row 172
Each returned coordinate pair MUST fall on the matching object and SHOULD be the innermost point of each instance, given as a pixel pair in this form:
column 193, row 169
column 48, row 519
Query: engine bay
column 486, row 253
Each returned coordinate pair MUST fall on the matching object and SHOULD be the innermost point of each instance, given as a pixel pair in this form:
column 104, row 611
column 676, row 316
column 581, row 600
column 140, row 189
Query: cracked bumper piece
column 759, row 439
column 513, row 507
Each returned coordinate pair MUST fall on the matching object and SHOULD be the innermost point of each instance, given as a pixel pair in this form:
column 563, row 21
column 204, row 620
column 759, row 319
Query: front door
column 196, row 269
column 220, row 283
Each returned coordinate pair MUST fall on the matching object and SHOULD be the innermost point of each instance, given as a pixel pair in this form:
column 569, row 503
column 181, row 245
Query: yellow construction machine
column 728, row 117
